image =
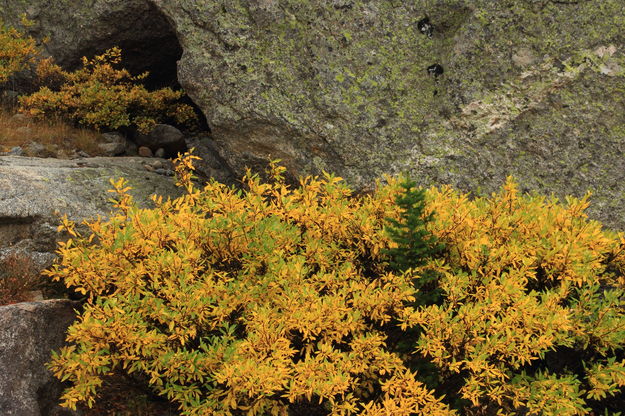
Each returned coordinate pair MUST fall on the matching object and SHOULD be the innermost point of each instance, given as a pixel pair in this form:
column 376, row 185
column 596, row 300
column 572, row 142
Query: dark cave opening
column 148, row 43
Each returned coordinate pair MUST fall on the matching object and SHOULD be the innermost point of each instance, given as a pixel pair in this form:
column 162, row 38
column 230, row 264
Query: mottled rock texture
column 28, row 334
column 210, row 165
column 532, row 88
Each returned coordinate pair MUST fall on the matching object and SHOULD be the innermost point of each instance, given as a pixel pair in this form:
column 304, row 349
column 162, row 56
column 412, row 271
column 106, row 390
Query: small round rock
column 144, row 151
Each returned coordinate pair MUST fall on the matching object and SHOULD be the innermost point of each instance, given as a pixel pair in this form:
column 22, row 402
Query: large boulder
column 29, row 332
column 85, row 28
column 34, row 192
column 531, row 88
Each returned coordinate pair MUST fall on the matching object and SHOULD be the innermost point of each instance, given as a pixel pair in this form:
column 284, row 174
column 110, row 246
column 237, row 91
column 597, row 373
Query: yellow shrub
column 255, row 302
column 17, row 52
column 534, row 304
column 278, row 300
column 100, row 95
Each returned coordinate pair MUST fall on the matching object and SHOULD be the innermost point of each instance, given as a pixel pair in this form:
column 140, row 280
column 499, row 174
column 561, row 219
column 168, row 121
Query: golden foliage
column 17, row 52
column 525, row 278
column 233, row 301
column 100, row 95
column 259, row 301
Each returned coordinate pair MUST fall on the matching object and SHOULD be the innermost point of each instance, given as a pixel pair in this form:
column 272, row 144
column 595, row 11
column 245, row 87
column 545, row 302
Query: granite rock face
column 29, row 332
column 525, row 87
column 210, row 165
column 530, row 88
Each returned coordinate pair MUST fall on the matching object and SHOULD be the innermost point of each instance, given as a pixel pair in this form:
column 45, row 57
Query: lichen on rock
column 344, row 87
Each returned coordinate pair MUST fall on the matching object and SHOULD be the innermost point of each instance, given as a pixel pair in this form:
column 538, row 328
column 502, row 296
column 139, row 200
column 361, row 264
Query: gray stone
column 160, row 152
column 163, row 136
column 345, row 89
column 165, row 172
column 162, row 164
column 114, row 144
column 28, row 334
column 144, row 151
column 82, row 154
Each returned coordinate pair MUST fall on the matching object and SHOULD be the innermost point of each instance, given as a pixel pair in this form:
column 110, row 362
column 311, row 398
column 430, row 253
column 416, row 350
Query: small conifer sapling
column 415, row 244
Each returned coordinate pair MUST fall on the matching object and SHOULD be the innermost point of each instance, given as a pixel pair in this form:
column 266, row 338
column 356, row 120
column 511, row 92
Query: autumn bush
column 101, row 95
column 281, row 300
column 533, row 319
column 17, row 52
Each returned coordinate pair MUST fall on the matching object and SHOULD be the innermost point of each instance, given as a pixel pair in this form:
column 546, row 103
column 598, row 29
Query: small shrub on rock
column 281, row 300
column 101, row 95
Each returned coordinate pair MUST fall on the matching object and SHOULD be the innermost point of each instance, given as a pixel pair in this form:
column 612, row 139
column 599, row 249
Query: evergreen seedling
column 415, row 244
